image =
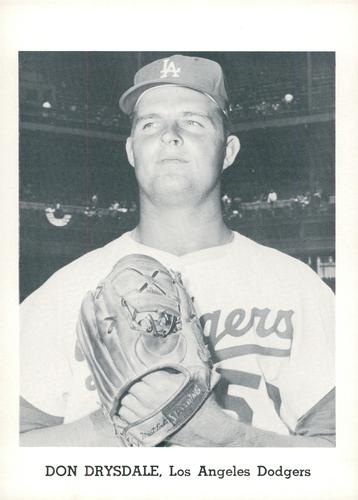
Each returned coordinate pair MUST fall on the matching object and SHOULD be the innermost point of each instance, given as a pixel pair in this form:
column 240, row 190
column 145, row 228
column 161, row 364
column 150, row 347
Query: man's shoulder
column 98, row 260
column 259, row 250
column 86, row 271
column 102, row 256
column 273, row 263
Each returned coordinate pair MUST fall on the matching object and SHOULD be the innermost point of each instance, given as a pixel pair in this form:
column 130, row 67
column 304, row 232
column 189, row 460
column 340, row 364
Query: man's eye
column 193, row 123
column 148, row 125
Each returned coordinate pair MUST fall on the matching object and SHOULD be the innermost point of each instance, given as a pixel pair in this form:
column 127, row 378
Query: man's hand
column 149, row 394
column 154, row 390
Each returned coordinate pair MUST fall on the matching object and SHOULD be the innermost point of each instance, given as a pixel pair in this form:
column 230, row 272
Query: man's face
column 178, row 146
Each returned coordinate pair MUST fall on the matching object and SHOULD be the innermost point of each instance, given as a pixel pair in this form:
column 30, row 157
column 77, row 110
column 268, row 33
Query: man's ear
column 129, row 149
column 232, row 149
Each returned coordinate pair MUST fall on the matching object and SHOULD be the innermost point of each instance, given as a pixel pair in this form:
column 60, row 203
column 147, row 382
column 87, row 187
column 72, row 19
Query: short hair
column 226, row 122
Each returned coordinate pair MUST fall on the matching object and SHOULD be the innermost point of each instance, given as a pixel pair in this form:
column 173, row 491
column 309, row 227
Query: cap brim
column 129, row 98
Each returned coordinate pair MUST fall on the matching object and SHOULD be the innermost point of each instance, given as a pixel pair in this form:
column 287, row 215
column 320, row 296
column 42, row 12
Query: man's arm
column 211, row 427
column 40, row 429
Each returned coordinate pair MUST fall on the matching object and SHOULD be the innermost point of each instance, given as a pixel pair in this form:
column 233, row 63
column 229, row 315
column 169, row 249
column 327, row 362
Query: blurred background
column 77, row 190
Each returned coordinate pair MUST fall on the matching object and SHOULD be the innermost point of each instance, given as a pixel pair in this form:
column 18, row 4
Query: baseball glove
column 139, row 320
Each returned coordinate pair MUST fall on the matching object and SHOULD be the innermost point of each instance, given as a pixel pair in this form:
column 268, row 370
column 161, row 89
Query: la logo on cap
column 169, row 67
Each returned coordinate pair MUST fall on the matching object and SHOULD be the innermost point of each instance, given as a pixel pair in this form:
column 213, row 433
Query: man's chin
column 174, row 183
column 173, row 189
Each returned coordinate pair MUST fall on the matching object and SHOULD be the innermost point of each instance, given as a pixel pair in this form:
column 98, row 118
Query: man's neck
column 178, row 230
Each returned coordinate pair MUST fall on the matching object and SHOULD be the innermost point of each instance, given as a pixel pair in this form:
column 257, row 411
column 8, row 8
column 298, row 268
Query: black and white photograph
column 177, row 249
column 178, row 255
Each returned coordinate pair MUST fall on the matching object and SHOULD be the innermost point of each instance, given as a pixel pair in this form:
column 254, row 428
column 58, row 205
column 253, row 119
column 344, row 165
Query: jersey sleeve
column 45, row 372
column 307, row 382
column 320, row 421
column 32, row 418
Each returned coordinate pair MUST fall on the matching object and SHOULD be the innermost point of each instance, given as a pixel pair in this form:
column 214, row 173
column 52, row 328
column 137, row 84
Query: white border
column 238, row 26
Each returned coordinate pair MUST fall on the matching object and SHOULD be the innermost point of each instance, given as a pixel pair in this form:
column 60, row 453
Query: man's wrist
column 104, row 429
column 210, row 426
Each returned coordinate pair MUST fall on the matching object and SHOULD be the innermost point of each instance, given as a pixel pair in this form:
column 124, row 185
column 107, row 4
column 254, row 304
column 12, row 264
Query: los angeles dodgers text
column 234, row 471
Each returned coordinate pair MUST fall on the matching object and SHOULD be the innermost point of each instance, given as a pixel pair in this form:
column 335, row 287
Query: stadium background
column 77, row 190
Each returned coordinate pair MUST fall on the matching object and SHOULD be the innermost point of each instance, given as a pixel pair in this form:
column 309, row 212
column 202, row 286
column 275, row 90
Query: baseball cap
column 197, row 73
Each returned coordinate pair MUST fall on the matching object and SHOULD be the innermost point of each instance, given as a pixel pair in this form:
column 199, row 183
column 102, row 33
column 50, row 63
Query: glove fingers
column 186, row 305
column 98, row 354
column 118, row 339
column 103, row 370
column 135, row 297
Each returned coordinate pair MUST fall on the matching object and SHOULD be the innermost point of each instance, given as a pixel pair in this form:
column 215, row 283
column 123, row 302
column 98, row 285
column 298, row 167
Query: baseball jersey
column 267, row 319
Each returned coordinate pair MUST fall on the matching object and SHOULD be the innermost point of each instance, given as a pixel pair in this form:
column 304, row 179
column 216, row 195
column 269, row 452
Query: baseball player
column 266, row 318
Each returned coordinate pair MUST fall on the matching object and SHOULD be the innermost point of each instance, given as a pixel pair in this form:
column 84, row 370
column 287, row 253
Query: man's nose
column 171, row 135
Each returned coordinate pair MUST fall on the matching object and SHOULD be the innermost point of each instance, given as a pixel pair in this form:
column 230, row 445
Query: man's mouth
column 173, row 159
